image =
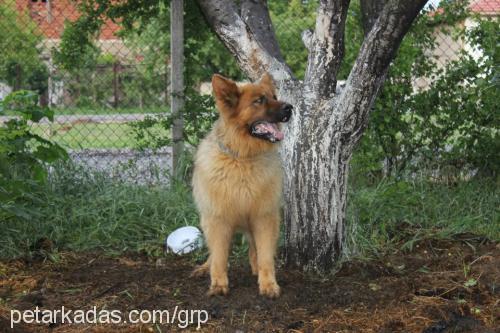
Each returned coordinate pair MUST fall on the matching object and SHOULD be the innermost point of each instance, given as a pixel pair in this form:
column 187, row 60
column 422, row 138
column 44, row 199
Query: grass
column 87, row 211
column 400, row 213
column 91, row 135
column 87, row 135
column 96, row 135
column 82, row 211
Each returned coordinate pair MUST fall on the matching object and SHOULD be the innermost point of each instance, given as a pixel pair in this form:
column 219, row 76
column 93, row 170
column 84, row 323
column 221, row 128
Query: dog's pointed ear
column 225, row 91
column 267, row 80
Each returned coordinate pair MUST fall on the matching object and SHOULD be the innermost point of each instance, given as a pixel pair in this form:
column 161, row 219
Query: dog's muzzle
column 269, row 130
column 286, row 111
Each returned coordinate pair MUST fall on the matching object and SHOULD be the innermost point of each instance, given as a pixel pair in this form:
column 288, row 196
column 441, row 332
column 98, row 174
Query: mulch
column 438, row 287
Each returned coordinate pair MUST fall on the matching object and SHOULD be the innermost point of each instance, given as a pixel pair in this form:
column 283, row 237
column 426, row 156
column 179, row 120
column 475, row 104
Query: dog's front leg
column 265, row 230
column 218, row 235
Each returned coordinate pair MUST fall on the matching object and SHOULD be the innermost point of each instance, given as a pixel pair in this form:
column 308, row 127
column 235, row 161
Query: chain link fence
column 97, row 95
column 121, row 79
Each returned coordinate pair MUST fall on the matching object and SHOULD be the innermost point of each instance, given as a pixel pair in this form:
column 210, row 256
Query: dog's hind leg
column 252, row 254
column 201, row 270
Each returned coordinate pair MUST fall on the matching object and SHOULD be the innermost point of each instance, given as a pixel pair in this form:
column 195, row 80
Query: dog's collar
column 233, row 154
column 228, row 151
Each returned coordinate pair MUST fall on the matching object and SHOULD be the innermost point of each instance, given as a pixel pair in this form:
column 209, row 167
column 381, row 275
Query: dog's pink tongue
column 279, row 135
column 273, row 130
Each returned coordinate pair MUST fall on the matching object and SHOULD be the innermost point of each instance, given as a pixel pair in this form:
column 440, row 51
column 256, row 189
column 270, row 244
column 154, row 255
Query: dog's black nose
column 286, row 110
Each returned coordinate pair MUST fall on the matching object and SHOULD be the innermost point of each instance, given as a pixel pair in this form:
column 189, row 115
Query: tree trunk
column 316, row 183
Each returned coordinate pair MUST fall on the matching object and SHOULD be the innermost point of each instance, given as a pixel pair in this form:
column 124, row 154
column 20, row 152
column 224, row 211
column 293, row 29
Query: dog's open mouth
column 267, row 131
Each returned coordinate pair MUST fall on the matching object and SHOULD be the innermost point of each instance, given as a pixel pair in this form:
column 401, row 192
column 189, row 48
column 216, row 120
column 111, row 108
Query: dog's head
column 253, row 108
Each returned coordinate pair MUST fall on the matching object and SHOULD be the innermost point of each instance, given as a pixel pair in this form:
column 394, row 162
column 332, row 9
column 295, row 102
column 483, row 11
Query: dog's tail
column 201, row 270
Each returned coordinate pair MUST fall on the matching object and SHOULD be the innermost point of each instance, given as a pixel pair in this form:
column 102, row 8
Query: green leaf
column 50, row 153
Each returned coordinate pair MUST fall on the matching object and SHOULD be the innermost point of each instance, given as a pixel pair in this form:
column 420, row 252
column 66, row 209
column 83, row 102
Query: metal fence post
column 177, row 79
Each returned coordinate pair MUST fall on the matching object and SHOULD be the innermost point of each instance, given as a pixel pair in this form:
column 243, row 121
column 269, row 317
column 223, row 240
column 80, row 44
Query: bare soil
column 439, row 287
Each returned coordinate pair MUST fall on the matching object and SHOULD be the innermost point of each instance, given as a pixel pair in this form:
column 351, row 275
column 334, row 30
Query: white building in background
column 448, row 47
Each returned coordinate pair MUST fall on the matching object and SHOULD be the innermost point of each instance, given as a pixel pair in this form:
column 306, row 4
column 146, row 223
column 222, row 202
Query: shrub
column 23, row 155
column 20, row 64
column 450, row 125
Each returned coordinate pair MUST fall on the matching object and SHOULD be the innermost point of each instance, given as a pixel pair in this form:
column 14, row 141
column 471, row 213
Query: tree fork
column 325, row 127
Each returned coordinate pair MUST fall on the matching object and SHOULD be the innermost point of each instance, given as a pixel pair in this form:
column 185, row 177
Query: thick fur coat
column 237, row 180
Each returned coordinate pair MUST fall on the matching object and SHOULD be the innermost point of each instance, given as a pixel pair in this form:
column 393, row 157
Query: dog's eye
column 274, row 97
column 260, row 100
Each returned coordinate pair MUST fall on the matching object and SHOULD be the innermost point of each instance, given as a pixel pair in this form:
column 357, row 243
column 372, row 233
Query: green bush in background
column 23, row 156
column 20, row 63
column 452, row 124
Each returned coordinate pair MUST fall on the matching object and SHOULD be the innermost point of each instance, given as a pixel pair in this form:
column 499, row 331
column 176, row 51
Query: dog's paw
column 200, row 271
column 218, row 290
column 269, row 289
column 255, row 271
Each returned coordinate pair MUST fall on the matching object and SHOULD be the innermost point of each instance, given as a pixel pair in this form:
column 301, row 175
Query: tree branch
column 255, row 14
column 370, row 10
column 306, row 36
column 246, row 41
column 369, row 71
column 326, row 49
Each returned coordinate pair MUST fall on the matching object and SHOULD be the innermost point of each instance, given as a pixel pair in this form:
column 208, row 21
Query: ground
column 438, row 287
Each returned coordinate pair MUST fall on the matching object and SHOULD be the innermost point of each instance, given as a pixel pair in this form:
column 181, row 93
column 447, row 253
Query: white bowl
column 184, row 240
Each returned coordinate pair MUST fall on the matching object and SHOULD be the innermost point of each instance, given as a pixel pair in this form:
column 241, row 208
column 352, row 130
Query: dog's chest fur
column 223, row 184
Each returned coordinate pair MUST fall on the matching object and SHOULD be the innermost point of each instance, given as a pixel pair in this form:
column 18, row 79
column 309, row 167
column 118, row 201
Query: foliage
column 145, row 83
column 78, row 59
column 204, row 52
column 204, row 56
column 198, row 119
column 290, row 19
column 76, row 51
column 20, row 65
column 353, row 37
column 23, row 155
column 146, row 32
column 438, row 126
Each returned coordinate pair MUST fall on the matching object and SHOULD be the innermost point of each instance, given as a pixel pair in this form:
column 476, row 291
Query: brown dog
column 237, row 180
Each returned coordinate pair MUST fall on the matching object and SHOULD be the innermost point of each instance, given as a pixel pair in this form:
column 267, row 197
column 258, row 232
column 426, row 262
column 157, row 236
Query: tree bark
column 252, row 56
column 315, row 200
column 326, row 50
column 325, row 127
column 370, row 10
column 255, row 14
